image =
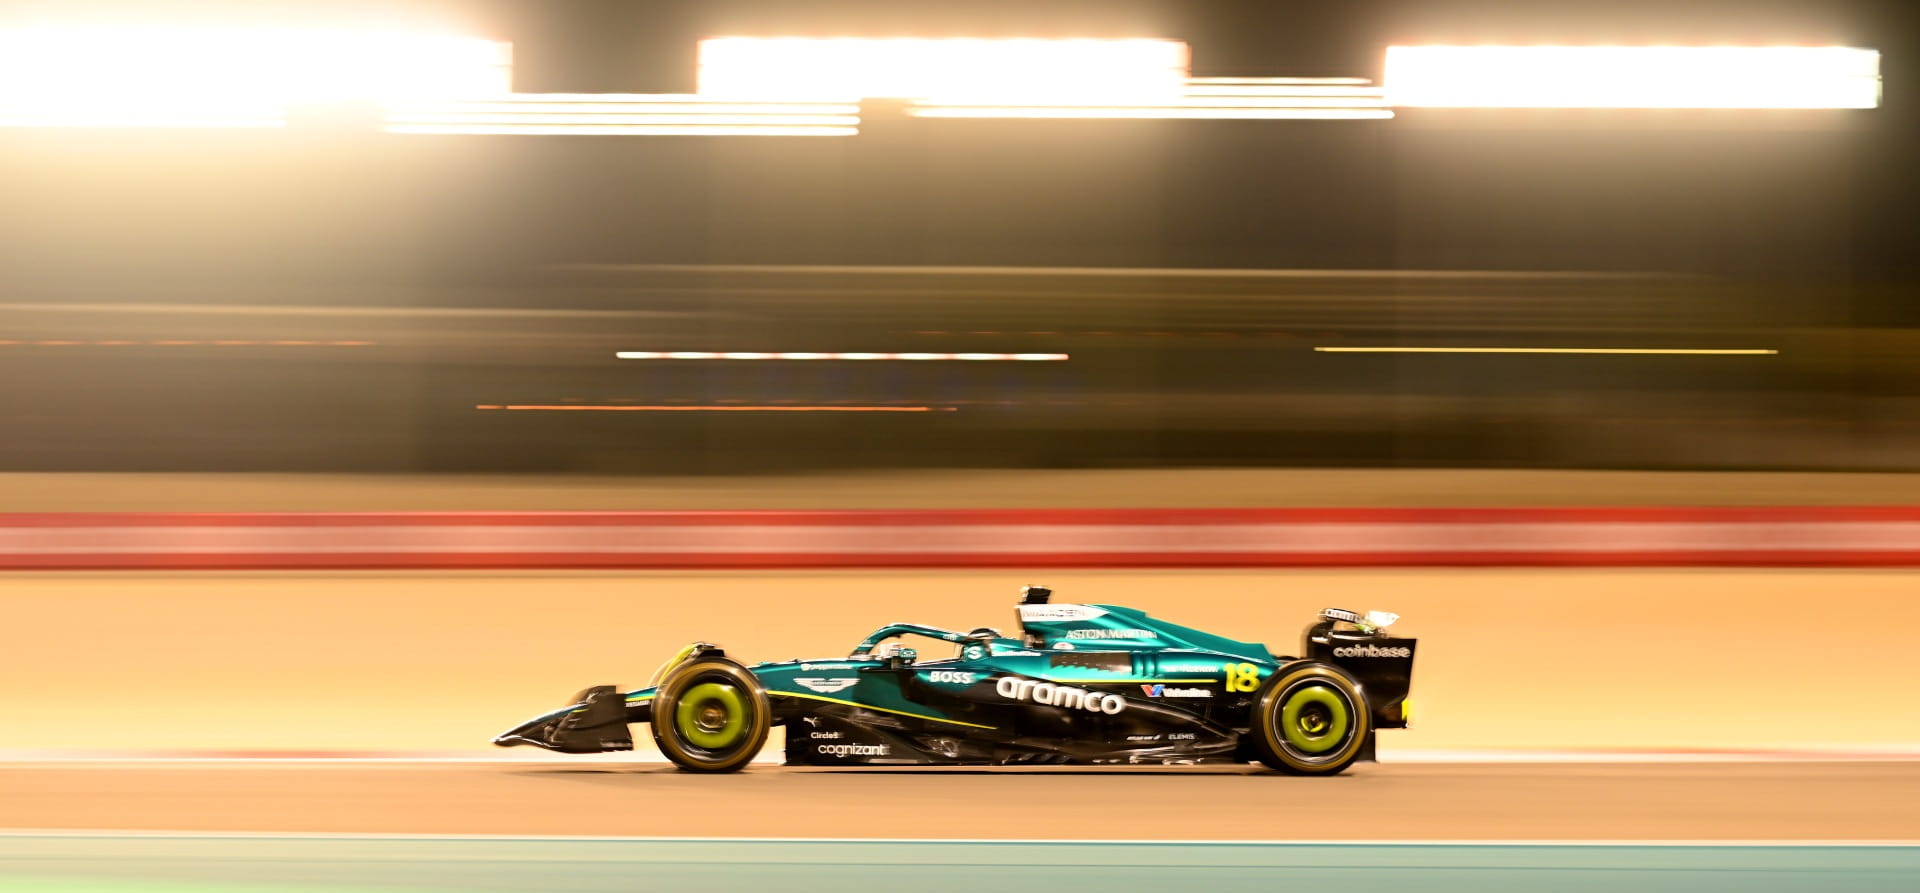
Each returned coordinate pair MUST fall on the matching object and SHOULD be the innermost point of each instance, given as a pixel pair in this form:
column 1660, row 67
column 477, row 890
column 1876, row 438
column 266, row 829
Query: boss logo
column 959, row 677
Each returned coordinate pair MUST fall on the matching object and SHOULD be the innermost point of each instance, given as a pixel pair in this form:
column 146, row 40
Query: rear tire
column 711, row 716
column 1310, row 719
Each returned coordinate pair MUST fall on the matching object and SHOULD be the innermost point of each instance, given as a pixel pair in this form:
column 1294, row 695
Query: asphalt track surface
column 1797, row 801
column 1517, row 660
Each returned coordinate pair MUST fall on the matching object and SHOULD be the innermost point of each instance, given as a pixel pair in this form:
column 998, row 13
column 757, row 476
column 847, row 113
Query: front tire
column 711, row 716
column 1310, row 719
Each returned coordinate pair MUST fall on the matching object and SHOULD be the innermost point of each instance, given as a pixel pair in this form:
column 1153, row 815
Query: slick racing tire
column 1309, row 719
column 711, row 716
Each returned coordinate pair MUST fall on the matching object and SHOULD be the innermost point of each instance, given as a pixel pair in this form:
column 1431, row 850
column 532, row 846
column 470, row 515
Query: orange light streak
column 601, row 407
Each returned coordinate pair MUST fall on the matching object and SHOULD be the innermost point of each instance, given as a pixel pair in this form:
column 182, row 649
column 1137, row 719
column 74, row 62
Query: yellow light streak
column 796, row 694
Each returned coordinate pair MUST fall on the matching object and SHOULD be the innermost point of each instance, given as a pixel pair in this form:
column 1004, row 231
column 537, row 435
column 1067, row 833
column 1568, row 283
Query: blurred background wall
column 325, row 298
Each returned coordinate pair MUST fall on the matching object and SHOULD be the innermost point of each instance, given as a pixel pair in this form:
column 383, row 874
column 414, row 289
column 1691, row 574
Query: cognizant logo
column 854, row 750
column 1111, row 634
column 1062, row 696
column 1371, row 651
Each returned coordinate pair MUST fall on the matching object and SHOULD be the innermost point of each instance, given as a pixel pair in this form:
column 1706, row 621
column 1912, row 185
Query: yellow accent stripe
column 646, row 697
column 795, row 694
column 1084, row 681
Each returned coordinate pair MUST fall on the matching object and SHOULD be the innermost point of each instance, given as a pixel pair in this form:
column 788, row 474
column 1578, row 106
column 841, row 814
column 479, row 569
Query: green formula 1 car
column 1081, row 684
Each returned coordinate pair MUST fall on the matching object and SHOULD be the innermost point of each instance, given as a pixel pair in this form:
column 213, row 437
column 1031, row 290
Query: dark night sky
column 589, row 44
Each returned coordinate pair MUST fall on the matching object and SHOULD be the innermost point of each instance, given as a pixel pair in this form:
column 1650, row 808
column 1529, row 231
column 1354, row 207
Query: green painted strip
column 291, row 864
column 44, row 884
column 796, row 694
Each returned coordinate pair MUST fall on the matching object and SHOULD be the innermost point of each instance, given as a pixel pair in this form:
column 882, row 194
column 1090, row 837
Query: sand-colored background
column 1510, row 659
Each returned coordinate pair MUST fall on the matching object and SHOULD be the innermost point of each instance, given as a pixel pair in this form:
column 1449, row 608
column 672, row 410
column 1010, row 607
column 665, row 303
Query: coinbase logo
column 1371, row 651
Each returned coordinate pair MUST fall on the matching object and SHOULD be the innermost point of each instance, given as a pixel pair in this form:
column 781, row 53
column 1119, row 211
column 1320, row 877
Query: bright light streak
column 1216, row 98
column 1633, row 77
column 155, row 76
column 634, row 121
column 623, row 129
column 943, row 70
column 1305, row 81
column 1135, row 112
column 1747, row 352
column 624, row 115
column 788, row 355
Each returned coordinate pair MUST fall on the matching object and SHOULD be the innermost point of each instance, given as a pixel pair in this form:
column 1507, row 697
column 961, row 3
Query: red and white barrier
column 1806, row 536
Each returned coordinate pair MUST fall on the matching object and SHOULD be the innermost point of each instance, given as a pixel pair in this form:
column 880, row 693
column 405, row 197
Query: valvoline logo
column 1161, row 691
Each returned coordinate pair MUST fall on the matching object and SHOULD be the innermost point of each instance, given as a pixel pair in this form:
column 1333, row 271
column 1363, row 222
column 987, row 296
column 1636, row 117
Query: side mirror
column 896, row 655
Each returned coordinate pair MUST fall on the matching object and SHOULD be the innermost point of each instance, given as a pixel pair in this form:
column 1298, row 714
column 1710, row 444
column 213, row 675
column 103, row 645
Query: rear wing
column 1362, row 645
